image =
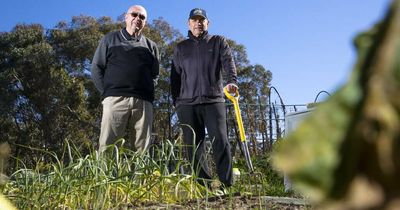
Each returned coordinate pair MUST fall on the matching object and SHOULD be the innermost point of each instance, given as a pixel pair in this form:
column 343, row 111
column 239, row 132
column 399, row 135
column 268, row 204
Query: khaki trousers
column 121, row 113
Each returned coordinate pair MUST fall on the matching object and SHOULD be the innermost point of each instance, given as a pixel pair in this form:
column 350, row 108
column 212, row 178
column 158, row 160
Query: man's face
column 135, row 19
column 197, row 25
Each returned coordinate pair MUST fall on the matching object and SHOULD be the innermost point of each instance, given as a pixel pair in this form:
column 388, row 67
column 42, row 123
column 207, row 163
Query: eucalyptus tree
column 43, row 104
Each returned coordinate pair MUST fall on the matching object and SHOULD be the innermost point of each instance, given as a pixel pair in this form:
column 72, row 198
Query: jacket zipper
column 199, row 72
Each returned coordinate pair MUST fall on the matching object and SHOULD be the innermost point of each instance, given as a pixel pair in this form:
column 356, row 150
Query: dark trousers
column 194, row 120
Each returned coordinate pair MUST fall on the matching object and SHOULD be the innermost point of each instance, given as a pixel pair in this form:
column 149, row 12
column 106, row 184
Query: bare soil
column 236, row 202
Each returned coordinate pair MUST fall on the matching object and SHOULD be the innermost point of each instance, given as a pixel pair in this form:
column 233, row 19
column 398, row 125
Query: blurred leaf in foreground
column 346, row 154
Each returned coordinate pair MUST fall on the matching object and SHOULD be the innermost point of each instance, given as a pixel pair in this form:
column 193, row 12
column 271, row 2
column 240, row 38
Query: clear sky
column 306, row 44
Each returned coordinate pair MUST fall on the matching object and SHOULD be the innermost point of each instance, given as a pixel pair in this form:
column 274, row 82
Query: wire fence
column 264, row 124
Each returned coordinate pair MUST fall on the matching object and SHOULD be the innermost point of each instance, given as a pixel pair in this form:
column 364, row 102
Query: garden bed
column 235, row 202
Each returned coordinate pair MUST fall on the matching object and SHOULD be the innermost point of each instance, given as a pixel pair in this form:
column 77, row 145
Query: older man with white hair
column 125, row 69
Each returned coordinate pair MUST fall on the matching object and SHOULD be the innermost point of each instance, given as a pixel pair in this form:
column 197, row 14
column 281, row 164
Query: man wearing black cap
column 197, row 93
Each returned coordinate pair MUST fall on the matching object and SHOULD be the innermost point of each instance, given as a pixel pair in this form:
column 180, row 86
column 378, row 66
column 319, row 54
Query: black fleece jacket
column 126, row 66
column 197, row 69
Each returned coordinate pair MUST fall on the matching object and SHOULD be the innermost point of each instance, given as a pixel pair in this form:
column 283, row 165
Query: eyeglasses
column 135, row 14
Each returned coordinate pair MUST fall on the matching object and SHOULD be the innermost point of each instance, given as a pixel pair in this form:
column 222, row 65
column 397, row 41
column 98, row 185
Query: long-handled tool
column 235, row 100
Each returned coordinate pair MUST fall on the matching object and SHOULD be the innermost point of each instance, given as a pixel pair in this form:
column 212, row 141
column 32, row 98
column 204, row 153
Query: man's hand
column 232, row 88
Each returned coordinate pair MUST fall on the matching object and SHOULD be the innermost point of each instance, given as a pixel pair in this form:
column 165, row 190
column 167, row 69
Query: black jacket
column 197, row 69
column 126, row 66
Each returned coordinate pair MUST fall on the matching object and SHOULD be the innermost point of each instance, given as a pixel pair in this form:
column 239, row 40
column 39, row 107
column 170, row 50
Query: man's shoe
column 220, row 192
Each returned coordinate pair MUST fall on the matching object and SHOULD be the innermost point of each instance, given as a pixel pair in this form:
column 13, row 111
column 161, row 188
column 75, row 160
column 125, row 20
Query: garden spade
column 243, row 142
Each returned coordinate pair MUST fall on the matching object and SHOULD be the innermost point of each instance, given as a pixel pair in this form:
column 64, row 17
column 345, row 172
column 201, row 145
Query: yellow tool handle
column 235, row 101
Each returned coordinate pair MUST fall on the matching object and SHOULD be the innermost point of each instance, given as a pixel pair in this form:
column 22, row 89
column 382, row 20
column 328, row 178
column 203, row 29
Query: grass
column 122, row 178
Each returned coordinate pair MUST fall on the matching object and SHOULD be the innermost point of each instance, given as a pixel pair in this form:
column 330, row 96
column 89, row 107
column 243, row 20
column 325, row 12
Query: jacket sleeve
column 228, row 63
column 99, row 63
column 156, row 65
column 175, row 76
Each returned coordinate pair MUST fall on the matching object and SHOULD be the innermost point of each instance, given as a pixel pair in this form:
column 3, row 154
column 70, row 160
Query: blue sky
column 307, row 45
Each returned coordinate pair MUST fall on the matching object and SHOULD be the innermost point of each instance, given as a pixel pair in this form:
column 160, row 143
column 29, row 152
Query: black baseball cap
column 197, row 12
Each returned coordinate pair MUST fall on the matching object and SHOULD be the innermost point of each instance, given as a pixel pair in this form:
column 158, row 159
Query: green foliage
column 74, row 45
column 256, row 81
column 348, row 143
column 120, row 178
column 45, row 103
column 265, row 180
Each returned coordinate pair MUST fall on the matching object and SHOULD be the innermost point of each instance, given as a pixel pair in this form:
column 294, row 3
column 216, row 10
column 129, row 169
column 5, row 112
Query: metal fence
column 263, row 124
